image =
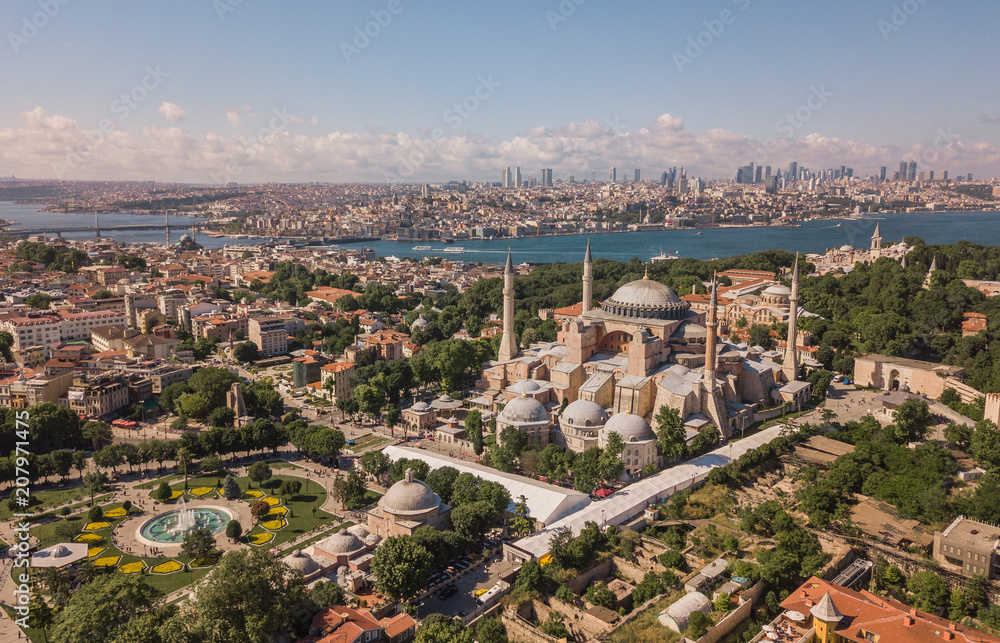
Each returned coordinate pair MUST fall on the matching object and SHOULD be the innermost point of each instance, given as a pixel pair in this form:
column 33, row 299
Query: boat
column 699, row 233
column 456, row 249
column 447, row 240
column 421, row 247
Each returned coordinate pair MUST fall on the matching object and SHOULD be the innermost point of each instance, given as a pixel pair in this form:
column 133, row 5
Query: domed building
column 528, row 415
column 579, row 424
column 639, row 439
column 407, row 505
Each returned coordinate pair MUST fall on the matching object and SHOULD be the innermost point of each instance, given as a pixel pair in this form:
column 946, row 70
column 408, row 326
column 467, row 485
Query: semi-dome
column 690, row 331
column 646, row 299
column 778, row 290
column 524, row 386
column 584, row 413
column 360, row 531
column 300, row 562
column 343, row 542
column 420, row 406
column 523, row 410
column 631, row 428
column 409, row 496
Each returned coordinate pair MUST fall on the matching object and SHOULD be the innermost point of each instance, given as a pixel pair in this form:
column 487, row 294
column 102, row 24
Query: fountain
column 186, row 520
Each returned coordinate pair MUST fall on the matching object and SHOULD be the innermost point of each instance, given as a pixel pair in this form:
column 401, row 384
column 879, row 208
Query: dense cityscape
column 567, row 322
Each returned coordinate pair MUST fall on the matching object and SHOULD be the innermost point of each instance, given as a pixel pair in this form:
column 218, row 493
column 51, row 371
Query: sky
column 214, row 91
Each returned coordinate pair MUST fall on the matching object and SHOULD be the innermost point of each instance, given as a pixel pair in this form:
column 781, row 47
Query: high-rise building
column 517, row 176
column 663, row 178
column 636, row 175
column 767, row 173
column 944, row 175
column 614, row 174
column 771, row 184
column 911, row 171
column 930, row 175
column 546, row 177
column 881, row 173
column 902, row 171
column 506, row 177
column 793, row 171
column 760, row 174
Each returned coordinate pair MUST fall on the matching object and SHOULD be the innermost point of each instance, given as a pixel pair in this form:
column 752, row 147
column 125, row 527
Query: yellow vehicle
column 480, row 592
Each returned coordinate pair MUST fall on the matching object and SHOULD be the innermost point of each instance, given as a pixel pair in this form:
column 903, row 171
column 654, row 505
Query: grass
column 370, row 498
column 645, row 628
column 48, row 499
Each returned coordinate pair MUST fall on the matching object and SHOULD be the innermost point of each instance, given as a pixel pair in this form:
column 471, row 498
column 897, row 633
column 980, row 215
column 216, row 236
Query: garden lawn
column 48, row 500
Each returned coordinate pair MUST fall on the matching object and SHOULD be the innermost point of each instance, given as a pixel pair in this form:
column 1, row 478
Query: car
column 447, row 591
column 462, row 613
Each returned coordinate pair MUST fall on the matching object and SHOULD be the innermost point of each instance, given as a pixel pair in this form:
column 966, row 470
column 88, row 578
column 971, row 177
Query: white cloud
column 172, row 112
column 175, row 154
column 234, row 118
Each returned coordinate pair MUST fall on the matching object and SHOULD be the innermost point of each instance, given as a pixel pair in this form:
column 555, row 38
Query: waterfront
column 810, row 236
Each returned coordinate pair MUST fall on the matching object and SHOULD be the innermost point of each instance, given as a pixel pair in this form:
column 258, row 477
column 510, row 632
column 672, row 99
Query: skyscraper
column 506, row 177
column 902, row 171
column 759, row 175
column 636, row 175
column 517, row 176
column 793, row 171
column 663, row 178
column 911, row 171
column 614, row 174
column 547, row 177
column 767, row 173
column 881, row 173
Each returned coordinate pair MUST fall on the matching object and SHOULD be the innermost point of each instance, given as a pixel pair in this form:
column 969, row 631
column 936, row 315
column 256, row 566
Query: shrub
column 95, row 514
column 673, row 560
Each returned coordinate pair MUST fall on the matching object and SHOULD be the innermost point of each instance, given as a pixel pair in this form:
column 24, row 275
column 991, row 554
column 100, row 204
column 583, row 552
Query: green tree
column 97, row 433
column 930, row 592
column 40, row 615
column 723, row 603
column 474, row 430
column 912, row 420
column 222, row 417
column 198, row 543
column 375, row 464
column 698, row 624
column 401, row 567
column 670, row 433
column 259, row 472
column 438, row 628
column 473, row 520
column 231, row 489
column 98, row 610
column 246, row 351
column 162, row 492
column 760, row 335
column 599, row 594
column 192, row 405
column 234, row 530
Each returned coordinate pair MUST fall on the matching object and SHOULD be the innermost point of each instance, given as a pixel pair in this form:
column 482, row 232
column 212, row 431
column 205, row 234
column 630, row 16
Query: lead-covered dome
column 584, row 414
column 301, row 562
column 631, row 428
column 341, row 543
column 523, row 410
column 409, row 496
column 646, row 299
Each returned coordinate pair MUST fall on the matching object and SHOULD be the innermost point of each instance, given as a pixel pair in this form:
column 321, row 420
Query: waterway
column 810, row 236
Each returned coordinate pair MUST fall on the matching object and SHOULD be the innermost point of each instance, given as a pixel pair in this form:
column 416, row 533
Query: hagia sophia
column 617, row 363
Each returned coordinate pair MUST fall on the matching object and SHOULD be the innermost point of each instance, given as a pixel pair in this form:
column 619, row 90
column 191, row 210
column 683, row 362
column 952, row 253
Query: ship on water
column 421, row 248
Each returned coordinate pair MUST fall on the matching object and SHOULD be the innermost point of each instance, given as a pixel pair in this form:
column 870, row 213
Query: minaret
column 927, row 280
column 903, row 264
column 790, row 364
column 588, row 280
column 508, row 345
column 876, row 247
column 712, row 325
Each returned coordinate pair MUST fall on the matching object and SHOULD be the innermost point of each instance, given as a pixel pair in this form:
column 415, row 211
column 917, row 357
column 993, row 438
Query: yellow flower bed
column 260, row 539
column 89, row 538
column 133, row 568
column 272, row 501
column 168, row 567
column 274, row 525
column 97, row 526
column 278, row 511
column 202, row 491
column 205, row 561
column 107, row 561
column 117, row 512
column 253, row 493
column 93, row 552
column 174, row 495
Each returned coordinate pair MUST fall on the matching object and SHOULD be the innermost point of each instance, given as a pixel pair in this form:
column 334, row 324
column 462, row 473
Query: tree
column 473, row 520
column 95, row 481
column 375, row 463
column 958, row 434
column 912, row 420
column 97, row 433
column 38, row 301
column 248, row 597
column 326, row 594
column 162, row 492
column 610, row 465
column 246, row 351
column 491, row 630
column 212, row 464
column 198, row 543
column 438, row 628
column 212, row 383
column 231, row 489
column 708, row 437
column 259, row 472
column 522, row 524
column 985, row 446
column 95, row 513
column 670, row 434
column 98, row 610
column 401, row 567
column 40, row 615
column 599, row 594
column 68, row 530
column 723, row 603
column 698, row 624
column 760, row 335
column 930, row 591
column 234, row 530
column 474, row 430
column 290, row 488
column 650, row 586
column 222, row 416
column 260, row 509
column 192, row 405
column 442, row 482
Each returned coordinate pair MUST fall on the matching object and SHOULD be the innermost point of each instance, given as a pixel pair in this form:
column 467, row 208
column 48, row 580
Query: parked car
column 447, row 591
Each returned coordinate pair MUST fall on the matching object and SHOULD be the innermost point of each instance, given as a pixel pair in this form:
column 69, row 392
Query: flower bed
column 201, row 492
column 168, row 567
column 272, row 501
column 274, row 525
column 133, row 568
column 93, row 552
column 205, row 561
column 278, row 511
column 260, row 539
column 89, row 538
column 107, row 561
column 117, row 512
column 97, row 526
column 253, row 493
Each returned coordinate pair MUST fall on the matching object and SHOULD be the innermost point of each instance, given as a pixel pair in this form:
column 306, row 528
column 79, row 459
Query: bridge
column 29, row 232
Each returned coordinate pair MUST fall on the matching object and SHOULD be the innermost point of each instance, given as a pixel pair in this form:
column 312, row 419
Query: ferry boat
column 455, row 249
column 421, row 248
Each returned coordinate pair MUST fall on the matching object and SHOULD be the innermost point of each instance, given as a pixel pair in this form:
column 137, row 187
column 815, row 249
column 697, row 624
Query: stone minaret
column 790, row 364
column 712, row 325
column 508, row 345
column 588, row 280
column 876, row 247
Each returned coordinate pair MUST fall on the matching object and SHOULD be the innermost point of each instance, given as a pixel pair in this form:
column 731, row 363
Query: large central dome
column 646, row 299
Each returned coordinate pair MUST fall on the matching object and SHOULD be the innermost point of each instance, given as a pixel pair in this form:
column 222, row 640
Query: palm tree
column 86, row 572
column 184, row 459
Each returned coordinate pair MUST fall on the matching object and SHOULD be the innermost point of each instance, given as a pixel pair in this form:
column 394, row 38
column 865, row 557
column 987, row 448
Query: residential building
column 269, row 334
column 969, row 547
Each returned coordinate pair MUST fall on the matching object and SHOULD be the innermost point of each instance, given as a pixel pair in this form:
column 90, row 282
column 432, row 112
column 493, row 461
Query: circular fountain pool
column 170, row 528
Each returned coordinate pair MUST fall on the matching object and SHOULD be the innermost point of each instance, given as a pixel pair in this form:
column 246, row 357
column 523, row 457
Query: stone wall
column 580, row 583
column 519, row 629
column 737, row 616
column 770, row 414
column 581, row 625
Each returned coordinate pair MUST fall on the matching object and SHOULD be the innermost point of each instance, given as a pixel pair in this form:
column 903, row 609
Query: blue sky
column 890, row 88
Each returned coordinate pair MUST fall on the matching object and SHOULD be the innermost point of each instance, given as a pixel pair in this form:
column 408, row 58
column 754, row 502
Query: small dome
column 409, row 496
column 420, row 406
column 522, row 410
column 301, row 562
column 343, row 542
column 420, row 323
column 778, row 290
column 584, row 413
column 373, row 539
column 61, row 552
column 359, row 530
column 632, row 428
column 524, row 387
column 846, row 248
column 446, row 398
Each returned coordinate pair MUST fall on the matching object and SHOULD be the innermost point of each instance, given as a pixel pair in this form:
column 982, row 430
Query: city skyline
column 359, row 94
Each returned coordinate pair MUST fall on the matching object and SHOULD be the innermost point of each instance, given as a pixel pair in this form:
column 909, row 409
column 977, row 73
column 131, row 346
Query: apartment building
column 269, row 334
